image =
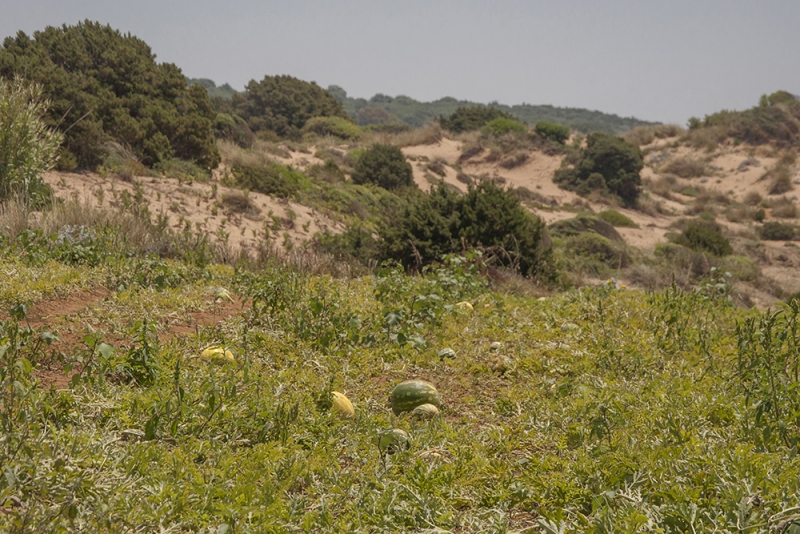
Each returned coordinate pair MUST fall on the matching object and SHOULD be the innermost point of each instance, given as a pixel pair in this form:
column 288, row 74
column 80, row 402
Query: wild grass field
column 598, row 410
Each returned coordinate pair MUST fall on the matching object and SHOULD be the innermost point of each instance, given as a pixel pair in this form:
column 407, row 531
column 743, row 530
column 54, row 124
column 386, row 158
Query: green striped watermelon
column 412, row 393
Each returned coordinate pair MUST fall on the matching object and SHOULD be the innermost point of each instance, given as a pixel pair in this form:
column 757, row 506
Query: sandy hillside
column 731, row 176
column 221, row 212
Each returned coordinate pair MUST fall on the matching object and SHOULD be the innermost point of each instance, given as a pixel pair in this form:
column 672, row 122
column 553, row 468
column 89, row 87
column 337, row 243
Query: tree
column 105, row 86
column 283, row 104
column 385, row 166
column 27, row 146
column 607, row 163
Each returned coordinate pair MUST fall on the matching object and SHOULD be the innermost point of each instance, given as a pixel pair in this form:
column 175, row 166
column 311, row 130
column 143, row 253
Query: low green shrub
column 777, row 231
column 467, row 119
column 182, row 170
column 554, row 132
column 270, row 179
column 332, row 126
column 607, row 165
column 705, row 236
column 615, row 218
column 504, row 125
column 385, row 166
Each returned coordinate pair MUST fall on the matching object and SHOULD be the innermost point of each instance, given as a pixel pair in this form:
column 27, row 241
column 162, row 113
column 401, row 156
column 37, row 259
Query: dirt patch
column 219, row 312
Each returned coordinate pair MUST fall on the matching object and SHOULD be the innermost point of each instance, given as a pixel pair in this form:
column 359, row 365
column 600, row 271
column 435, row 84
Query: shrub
column 606, row 164
column 685, row 167
column 554, row 132
column 269, row 179
column 234, row 129
column 467, row 119
column 27, row 146
column 705, row 236
column 182, row 170
column 383, row 165
column 584, row 223
column 615, row 218
column 488, row 217
column 332, row 126
column 283, row 104
column 776, row 231
column 504, row 125
column 104, row 86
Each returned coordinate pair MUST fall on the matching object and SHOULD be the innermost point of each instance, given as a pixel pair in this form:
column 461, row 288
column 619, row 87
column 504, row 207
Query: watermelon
column 342, row 405
column 412, row 393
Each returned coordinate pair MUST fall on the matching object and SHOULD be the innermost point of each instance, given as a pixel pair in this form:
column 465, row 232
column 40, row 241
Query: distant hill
column 224, row 91
column 416, row 113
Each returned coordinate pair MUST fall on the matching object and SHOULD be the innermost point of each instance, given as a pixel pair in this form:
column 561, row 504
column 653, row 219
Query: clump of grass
column 685, row 167
column 615, row 218
column 240, row 202
column 644, row 135
column 783, row 208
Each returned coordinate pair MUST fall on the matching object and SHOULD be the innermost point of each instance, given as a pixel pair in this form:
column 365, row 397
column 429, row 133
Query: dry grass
column 685, row 167
column 664, row 186
column 708, row 138
column 784, row 208
column 644, row 135
column 429, row 135
column 752, row 198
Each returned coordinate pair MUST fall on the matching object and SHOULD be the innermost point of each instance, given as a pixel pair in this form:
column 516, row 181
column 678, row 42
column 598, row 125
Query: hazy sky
column 666, row 60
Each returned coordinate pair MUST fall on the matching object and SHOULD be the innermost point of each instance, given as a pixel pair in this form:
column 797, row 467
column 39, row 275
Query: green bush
column 333, row 126
column 234, row 129
column 182, row 170
column 27, row 146
column 487, row 217
column 598, row 249
column 467, row 119
column 705, row 236
column 504, row 125
column 776, row 119
column 270, row 179
column 385, row 166
column 554, row 132
column 776, row 231
column 607, row 163
column 105, row 86
column 283, row 104
column 615, row 218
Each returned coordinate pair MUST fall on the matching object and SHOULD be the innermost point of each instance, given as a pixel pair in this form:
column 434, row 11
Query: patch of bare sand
column 210, row 208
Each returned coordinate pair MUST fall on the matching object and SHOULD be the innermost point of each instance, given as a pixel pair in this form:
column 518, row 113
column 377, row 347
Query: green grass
column 669, row 412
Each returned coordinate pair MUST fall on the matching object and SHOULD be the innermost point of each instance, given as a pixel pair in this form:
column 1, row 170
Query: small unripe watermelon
column 412, row 393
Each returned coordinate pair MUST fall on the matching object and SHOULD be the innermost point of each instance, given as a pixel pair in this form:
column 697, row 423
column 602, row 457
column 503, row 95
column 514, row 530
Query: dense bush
column 554, row 132
column 776, row 119
column 234, row 129
column 487, row 217
column 467, row 119
column 27, row 146
column 776, row 231
column 270, row 179
column 383, row 165
column 103, row 86
column 705, row 236
column 504, row 125
column 607, row 163
column 283, row 104
column 333, row 126
column 615, row 218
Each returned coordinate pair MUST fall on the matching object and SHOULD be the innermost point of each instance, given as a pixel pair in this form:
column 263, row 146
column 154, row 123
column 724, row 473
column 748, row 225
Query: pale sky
column 664, row 61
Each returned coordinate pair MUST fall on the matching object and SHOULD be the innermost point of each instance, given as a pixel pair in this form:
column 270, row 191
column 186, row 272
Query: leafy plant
column 557, row 133
column 606, row 164
column 385, row 166
column 705, row 236
column 27, row 146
